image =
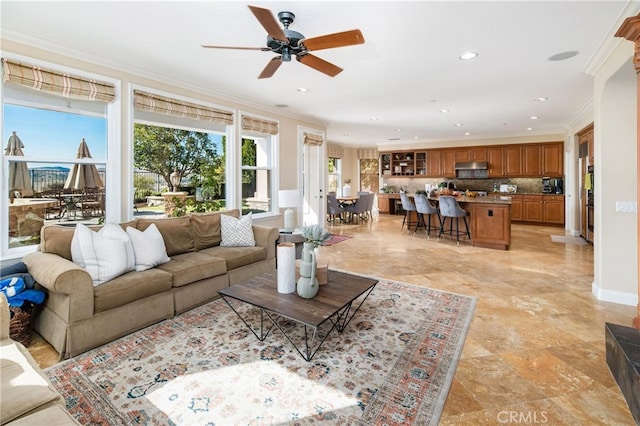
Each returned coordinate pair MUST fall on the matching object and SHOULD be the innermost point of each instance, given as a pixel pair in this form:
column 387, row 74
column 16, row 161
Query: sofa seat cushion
column 23, row 388
column 192, row 267
column 130, row 287
column 53, row 415
column 237, row 257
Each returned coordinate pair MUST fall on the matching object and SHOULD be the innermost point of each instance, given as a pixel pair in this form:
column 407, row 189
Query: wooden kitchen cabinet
column 491, row 226
column 516, row 208
column 495, row 159
column 512, row 158
column 463, row 155
column 553, row 209
column 479, row 153
column 532, row 160
column 384, row 203
column 553, row 160
column 448, row 163
column 532, row 208
column 421, row 164
column 434, row 163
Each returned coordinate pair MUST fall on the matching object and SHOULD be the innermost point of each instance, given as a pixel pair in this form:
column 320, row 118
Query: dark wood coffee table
column 337, row 302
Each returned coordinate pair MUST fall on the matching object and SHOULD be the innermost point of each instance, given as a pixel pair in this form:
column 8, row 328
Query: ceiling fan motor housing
column 278, row 46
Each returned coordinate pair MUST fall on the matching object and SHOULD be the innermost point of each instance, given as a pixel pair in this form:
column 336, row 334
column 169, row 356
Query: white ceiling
column 405, row 73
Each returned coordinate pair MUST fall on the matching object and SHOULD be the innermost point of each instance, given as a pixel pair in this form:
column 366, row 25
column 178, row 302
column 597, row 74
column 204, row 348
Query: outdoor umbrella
column 19, row 178
column 83, row 176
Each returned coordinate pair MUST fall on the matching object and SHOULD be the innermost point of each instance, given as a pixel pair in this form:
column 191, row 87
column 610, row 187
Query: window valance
column 163, row 105
column 368, row 154
column 334, row 151
column 259, row 125
column 313, row 139
column 56, row 82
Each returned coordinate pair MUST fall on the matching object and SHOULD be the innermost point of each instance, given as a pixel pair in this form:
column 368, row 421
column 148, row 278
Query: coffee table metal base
column 339, row 321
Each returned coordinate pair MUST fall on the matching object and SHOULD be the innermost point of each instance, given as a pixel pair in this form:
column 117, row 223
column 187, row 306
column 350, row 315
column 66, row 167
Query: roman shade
column 163, row 105
column 334, row 151
column 56, row 82
column 367, row 154
column 259, row 125
column 313, row 139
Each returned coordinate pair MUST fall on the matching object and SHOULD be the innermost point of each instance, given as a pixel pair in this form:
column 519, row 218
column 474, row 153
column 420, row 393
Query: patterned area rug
column 393, row 364
column 335, row 239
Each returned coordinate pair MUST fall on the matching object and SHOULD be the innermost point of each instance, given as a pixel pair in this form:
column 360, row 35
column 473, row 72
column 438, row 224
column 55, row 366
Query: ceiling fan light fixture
column 286, row 54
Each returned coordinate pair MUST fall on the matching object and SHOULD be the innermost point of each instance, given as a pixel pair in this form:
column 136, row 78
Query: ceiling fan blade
column 268, row 21
column 329, row 41
column 211, row 46
column 319, row 64
column 271, row 67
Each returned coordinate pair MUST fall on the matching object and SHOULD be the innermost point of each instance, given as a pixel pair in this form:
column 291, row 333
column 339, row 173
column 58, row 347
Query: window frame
column 113, row 166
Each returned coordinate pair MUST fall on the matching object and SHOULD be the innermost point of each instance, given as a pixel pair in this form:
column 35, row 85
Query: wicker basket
column 20, row 323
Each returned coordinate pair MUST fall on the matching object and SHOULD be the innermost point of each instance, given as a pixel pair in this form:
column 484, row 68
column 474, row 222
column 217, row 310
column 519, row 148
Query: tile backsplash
column 525, row 185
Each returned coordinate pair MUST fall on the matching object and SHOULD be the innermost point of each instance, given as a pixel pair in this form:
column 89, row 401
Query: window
column 172, row 136
column 334, row 175
column 57, row 150
column 369, row 175
column 257, row 175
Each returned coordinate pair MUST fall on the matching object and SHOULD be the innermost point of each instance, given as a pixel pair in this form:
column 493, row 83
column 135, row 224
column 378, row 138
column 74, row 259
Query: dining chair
column 334, row 209
column 407, row 206
column 449, row 208
column 359, row 208
column 424, row 207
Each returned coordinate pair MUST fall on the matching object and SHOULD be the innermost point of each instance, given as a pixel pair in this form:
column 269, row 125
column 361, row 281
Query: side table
column 295, row 238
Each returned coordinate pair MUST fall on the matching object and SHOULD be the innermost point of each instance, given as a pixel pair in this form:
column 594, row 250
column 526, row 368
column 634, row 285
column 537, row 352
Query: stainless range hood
column 472, row 170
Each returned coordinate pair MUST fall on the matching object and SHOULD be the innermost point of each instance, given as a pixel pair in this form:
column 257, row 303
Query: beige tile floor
column 535, row 351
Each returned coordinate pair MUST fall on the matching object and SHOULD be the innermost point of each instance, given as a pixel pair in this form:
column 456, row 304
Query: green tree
column 162, row 150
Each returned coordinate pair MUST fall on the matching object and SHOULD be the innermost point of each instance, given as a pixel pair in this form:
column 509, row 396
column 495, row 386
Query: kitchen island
column 489, row 218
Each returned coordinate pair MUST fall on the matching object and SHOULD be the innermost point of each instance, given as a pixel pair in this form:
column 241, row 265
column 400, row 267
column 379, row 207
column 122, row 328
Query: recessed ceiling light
column 468, row 55
column 458, row 124
column 541, row 99
column 394, row 139
column 374, row 118
column 534, row 117
column 398, row 130
column 303, row 89
column 415, row 137
column 282, row 105
column 467, row 133
column 563, row 55
column 444, row 110
column 529, row 128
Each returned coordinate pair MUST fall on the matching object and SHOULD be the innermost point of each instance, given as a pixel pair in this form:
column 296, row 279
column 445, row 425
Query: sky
column 52, row 134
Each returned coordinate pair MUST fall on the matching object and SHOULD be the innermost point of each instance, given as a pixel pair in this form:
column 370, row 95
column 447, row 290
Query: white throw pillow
column 105, row 254
column 148, row 247
column 236, row 232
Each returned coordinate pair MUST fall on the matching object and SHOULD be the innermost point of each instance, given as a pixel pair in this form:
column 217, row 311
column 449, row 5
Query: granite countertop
column 489, row 199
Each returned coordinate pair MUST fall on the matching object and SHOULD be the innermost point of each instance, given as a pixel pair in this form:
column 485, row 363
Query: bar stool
column 408, row 207
column 449, row 208
column 423, row 206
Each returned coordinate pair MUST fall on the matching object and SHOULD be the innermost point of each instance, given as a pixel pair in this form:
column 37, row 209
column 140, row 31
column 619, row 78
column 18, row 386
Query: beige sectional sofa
column 26, row 395
column 78, row 316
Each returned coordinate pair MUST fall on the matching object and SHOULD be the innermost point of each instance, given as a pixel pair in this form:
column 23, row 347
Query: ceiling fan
column 287, row 43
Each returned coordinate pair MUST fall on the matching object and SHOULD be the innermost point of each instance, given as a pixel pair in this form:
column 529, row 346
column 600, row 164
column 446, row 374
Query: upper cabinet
column 523, row 160
column 585, row 140
column 448, row 163
column 434, row 163
column 512, row 161
column 553, row 159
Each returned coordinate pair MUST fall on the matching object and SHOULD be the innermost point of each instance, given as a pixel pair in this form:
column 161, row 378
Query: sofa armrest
column 64, row 278
column 5, row 318
column 266, row 236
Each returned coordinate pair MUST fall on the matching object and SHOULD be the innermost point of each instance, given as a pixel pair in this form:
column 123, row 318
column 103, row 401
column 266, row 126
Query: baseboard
column 613, row 296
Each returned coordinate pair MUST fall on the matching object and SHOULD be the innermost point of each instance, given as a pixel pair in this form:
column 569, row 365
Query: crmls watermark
column 524, row 417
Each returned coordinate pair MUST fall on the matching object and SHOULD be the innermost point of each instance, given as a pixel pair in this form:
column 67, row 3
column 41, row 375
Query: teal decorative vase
column 307, row 285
